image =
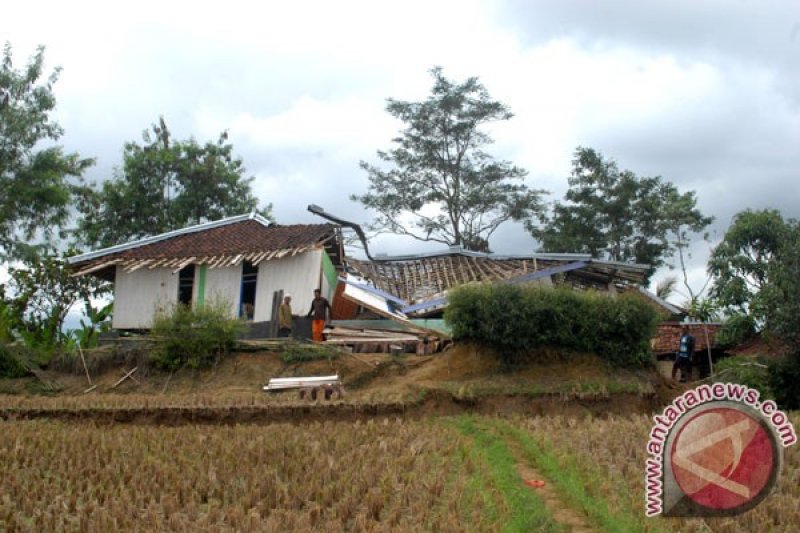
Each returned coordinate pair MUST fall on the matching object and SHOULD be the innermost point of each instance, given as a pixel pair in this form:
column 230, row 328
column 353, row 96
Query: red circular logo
column 723, row 458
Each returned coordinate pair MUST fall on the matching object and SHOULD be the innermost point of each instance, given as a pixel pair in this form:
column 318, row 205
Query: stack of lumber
column 364, row 340
column 276, row 384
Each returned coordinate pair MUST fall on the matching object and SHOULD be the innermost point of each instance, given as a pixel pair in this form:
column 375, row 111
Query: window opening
column 247, row 308
column 186, row 285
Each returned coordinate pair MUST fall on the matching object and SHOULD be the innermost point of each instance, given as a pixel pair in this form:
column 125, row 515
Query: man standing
column 683, row 360
column 285, row 317
column 319, row 312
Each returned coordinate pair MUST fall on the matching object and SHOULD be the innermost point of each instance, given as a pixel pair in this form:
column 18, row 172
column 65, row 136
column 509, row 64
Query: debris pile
column 379, row 340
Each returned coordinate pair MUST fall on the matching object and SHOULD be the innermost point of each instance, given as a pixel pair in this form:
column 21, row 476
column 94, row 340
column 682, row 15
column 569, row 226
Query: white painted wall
column 298, row 276
column 224, row 283
column 139, row 294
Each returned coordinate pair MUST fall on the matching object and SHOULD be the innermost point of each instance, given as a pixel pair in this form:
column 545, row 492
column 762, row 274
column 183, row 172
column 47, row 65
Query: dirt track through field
column 562, row 513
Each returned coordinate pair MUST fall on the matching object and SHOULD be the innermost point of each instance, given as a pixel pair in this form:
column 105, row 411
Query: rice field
column 383, row 474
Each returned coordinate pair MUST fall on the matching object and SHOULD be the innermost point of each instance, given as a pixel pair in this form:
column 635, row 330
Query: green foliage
column 618, row 215
column 740, row 263
column 98, row 320
column 194, row 337
column 10, row 365
column 300, row 353
column 784, row 375
column 737, row 329
column 439, row 162
column 166, row 184
column 527, row 511
column 42, row 291
column 779, row 301
column 37, row 179
column 753, row 372
column 519, row 319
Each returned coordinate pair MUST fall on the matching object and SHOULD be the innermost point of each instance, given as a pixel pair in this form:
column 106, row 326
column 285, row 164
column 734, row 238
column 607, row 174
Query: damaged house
column 243, row 260
column 248, row 262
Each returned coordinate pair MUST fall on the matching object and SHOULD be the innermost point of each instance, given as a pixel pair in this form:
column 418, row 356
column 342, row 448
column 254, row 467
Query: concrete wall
column 298, row 276
column 139, row 294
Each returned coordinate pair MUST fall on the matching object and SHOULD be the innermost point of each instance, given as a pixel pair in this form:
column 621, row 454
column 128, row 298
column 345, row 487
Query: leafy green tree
column 41, row 292
column 617, row 215
column 438, row 183
column 37, row 179
column 165, row 184
column 740, row 264
column 779, row 300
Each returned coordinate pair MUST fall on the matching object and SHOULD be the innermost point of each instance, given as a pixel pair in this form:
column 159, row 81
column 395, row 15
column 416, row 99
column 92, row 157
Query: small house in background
column 242, row 260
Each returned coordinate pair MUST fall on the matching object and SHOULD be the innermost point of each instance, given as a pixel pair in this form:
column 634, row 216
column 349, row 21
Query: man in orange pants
column 319, row 312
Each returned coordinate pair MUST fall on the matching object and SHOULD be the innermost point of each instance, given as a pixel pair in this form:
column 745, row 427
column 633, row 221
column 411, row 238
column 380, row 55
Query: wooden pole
column 80, row 351
column 126, row 376
column 708, row 347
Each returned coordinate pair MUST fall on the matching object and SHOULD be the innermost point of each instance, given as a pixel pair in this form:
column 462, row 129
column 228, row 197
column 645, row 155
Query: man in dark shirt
column 683, row 359
column 319, row 312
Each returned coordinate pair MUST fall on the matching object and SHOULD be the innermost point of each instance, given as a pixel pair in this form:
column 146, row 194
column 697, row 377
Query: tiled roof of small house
column 220, row 243
column 668, row 336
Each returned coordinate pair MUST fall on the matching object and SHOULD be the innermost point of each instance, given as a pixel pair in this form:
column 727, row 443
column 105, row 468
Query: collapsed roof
column 417, row 279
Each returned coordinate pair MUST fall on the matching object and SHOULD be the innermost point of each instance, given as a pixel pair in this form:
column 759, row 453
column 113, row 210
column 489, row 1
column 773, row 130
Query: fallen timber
column 363, row 340
column 311, row 386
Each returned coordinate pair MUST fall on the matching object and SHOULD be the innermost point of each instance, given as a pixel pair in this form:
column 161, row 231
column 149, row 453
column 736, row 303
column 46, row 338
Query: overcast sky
column 705, row 94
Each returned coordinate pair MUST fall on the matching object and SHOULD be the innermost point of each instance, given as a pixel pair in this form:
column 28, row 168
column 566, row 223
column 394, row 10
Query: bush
column 10, row 365
column 301, row 353
column 518, row 319
column 195, row 337
column 753, row 372
column 736, row 330
column 784, row 375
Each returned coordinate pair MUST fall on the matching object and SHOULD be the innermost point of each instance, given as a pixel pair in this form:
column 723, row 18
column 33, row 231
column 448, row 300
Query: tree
column 165, row 184
column 740, row 264
column 619, row 216
column 37, row 180
column 42, row 291
column 439, row 184
column 780, row 301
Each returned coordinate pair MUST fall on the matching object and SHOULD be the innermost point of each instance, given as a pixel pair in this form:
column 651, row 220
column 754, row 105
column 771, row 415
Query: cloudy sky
column 704, row 93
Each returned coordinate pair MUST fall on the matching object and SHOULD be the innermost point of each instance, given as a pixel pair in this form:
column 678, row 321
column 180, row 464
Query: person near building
column 683, row 359
column 285, row 317
column 320, row 314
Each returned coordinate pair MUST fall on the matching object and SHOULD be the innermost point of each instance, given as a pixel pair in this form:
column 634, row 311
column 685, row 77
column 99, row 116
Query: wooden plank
column 136, row 265
column 382, row 340
column 183, row 264
column 369, row 333
column 277, row 298
column 126, row 376
column 95, row 268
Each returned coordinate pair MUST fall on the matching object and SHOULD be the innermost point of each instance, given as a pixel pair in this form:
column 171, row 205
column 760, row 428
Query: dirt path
column 562, row 513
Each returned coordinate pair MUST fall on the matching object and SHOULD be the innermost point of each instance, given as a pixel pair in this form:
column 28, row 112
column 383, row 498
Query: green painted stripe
column 201, row 285
column 330, row 273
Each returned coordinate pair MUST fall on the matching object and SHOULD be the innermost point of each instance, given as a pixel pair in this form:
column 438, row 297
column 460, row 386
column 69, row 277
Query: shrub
column 749, row 371
column 736, row 330
column 301, row 353
column 517, row 319
column 195, row 337
column 784, row 375
column 10, row 365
